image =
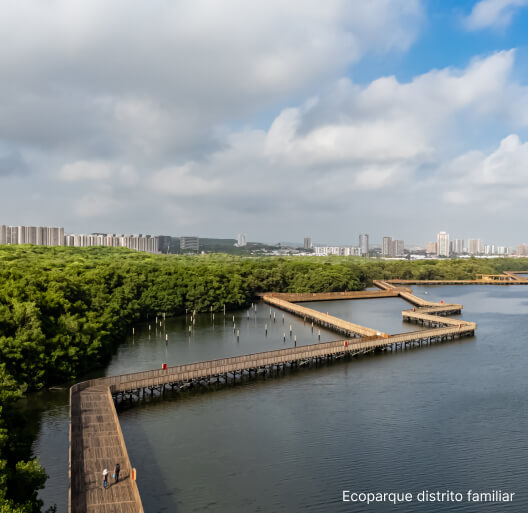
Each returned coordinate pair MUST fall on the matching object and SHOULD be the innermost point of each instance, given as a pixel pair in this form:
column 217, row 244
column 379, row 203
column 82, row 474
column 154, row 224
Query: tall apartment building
column 397, row 248
column 386, row 247
column 307, row 243
column 241, row 240
column 457, row 246
column 146, row 243
column 475, row 246
column 442, row 240
column 521, row 250
column 392, row 248
column 189, row 243
column 364, row 243
column 431, row 248
column 38, row 235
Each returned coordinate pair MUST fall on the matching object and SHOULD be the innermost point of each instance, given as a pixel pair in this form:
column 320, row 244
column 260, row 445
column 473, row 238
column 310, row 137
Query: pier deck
column 96, row 440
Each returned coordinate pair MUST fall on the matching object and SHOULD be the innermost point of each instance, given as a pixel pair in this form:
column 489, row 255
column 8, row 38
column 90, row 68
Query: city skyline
column 405, row 117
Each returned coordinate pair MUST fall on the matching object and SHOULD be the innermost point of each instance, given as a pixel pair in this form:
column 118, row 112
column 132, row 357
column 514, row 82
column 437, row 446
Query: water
column 444, row 417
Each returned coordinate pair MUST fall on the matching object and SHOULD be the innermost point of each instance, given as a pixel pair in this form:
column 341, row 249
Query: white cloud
column 156, row 80
column 493, row 13
column 349, row 139
column 498, row 176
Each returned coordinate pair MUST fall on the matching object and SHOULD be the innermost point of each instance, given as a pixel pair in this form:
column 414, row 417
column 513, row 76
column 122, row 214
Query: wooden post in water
column 238, row 335
column 319, row 334
column 291, row 330
column 266, row 328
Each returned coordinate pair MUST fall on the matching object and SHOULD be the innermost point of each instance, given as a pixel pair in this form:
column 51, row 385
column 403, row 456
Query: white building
column 364, row 243
column 442, row 240
column 38, row 235
column 241, row 240
column 475, row 247
column 146, row 243
column 337, row 250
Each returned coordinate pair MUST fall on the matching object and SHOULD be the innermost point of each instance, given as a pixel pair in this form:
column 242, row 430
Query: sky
column 281, row 120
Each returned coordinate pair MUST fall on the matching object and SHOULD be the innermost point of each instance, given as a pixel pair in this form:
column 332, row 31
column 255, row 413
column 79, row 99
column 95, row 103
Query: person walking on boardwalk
column 105, row 478
column 116, row 472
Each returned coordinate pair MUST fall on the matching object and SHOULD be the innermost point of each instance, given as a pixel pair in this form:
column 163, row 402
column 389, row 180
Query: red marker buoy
column 163, row 366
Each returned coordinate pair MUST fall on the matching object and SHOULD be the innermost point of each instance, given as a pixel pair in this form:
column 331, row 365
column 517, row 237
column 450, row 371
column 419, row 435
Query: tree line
column 63, row 310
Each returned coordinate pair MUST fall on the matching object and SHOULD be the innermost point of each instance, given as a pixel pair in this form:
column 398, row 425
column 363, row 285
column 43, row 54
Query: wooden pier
column 506, row 278
column 96, row 440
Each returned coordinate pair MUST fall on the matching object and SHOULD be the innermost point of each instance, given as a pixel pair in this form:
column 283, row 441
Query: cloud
column 493, row 13
column 497, row 177
column 348, row 139
column 157, row 81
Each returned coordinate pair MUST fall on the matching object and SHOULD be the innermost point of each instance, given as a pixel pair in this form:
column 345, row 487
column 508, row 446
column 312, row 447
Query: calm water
column 445, row 417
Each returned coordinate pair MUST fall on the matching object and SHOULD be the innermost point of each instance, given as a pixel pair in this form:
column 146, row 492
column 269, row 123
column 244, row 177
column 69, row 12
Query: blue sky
column 443, row 41
column 392, row 117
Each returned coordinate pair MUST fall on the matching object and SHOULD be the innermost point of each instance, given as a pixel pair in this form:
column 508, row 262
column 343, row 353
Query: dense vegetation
column 63, row 309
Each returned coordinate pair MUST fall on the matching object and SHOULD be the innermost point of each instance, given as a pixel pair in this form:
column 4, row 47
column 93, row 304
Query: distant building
column 475, row 247
column 337, row 250
column 397, row 248
column 442, row 241
column 386, row 247
column 307, row 243
column 241, row 240
column 146, row 243
column 189, row 243
column 431, row 248
column 364, row 244
column 38, row 235
column 521, row 250
column 457, row 246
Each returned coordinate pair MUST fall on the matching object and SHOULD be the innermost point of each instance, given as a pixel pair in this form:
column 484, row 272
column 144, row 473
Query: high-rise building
column 442, row 240
column 307, row 243
column 458, row 246
column 386, row 248
column 146, row 243
column 397, row 248
column 364, row 243
column 431, row 248
column 241, row 240
column 521, row 250
column 189, row 243
column 38, row 235
column 474, row 246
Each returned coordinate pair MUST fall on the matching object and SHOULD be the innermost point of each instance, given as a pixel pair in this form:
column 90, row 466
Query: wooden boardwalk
column 96, row 440
column 96, row 443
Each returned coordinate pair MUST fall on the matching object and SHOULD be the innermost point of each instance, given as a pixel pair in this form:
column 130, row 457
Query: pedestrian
column 116, row 472
column 105, row 478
